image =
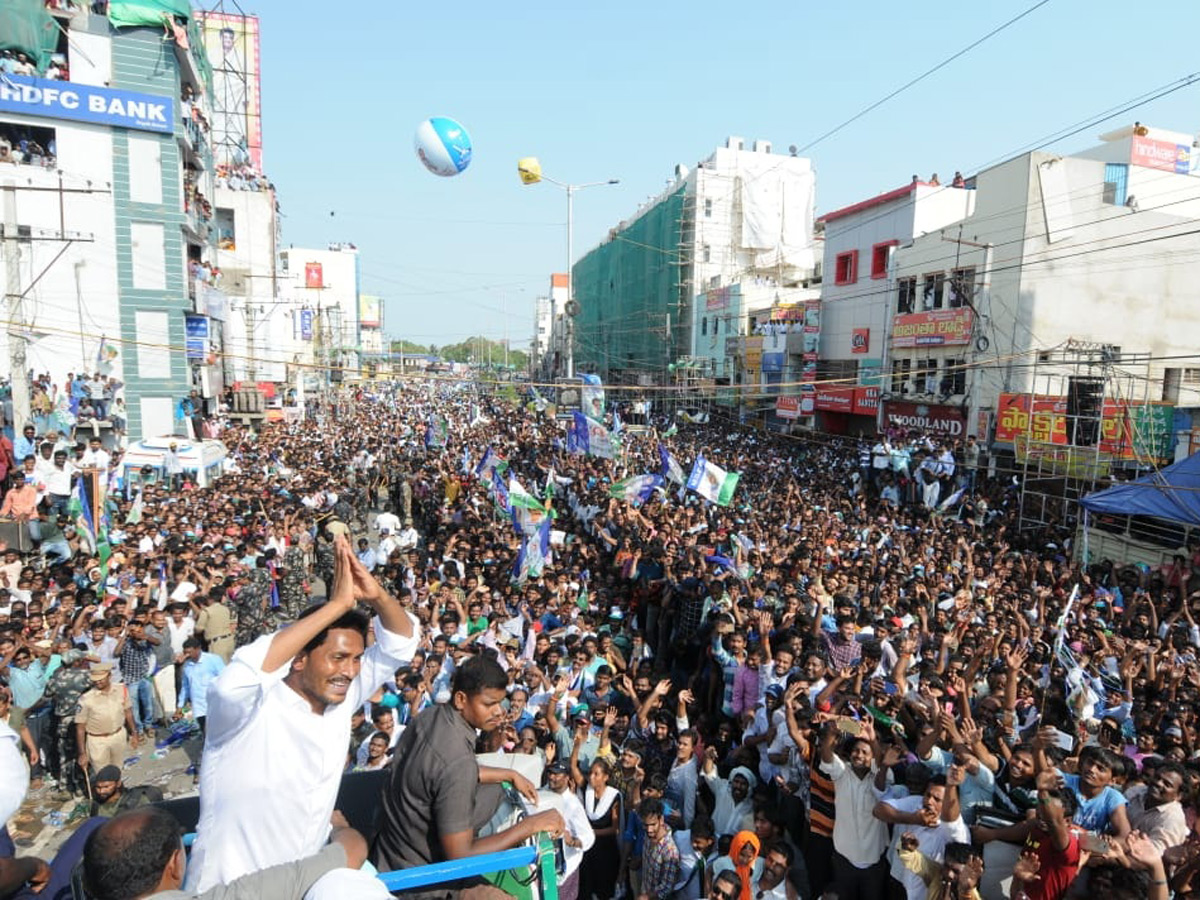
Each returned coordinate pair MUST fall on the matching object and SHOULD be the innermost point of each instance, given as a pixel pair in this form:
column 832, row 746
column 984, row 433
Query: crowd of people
column 838, row 685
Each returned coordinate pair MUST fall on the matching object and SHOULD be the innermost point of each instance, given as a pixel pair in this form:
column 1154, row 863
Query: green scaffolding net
column 27, row 27
column 628, row 294
column 131, row 13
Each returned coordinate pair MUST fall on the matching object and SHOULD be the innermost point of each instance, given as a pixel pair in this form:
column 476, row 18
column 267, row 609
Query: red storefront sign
column 314, row 276
column 939, row 421
column 866, row 401
column 860, row 340
column 835, row 399
column 787, row 407
column 939, row 328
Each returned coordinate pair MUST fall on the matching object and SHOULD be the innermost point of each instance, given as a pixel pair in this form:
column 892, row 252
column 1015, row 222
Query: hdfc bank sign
column 946, row 421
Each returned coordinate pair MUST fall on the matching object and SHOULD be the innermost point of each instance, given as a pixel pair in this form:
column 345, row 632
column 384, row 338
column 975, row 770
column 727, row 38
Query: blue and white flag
column 712, row 482
column 589, row 436
column 489, row 465
column 531, row 558
column 617, row 425
column 635, row 490
column 671, row 470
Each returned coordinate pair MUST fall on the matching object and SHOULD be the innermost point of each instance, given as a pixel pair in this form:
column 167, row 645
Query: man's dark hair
column 354, row 620
column 731, row 879
column 478, row 674
column 702, row 827
column 783, row 848
column 126, row 856
column 191, row 642
column 958, row 852
column 1172, row 767
column 650, row 808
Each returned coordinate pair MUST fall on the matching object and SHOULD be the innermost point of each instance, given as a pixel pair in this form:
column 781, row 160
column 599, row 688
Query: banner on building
column 754, row 353
column 306, row 324
column 938, row 328
column 1166, row 156
column 52, row 99
column 835, row 398
column 860, row 340
column 787, row 407
column 196, row 335
column 866, row 400
column 716, row 299
column 233, row 50
column 1128, row 431
column 788, row 312
column 370, row 311
column 314, row 276
column 933, row 419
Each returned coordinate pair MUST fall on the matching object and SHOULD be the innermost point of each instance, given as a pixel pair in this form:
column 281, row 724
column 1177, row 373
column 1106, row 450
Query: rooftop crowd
column 842, row 684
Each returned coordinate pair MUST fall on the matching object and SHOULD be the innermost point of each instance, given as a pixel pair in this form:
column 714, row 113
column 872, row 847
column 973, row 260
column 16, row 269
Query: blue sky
column 627, row 90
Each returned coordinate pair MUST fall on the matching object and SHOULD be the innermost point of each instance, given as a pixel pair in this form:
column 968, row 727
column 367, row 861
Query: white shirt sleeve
column 382, row 659
column 236, row 694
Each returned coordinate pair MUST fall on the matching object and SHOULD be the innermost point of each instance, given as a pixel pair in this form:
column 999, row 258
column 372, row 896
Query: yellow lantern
column 529, row 169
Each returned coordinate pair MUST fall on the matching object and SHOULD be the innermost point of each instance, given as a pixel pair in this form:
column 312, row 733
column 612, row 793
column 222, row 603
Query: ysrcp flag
column 712, row 482
column 591, row 396
column 671, row 470
column 587, row 435
column 489, row 465
column 635, row 490
column 531, row 558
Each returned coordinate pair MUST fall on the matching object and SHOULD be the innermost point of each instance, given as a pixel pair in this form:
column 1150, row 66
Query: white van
column 203, row 461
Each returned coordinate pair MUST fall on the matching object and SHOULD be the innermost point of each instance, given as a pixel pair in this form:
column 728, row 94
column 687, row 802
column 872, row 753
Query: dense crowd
column 843, row 683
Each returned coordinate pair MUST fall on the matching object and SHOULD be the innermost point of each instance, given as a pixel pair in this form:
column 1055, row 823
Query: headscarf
column 746, row 872
column 747, row 774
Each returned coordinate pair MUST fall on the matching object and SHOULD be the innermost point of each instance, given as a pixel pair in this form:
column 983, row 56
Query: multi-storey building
column 107, row 178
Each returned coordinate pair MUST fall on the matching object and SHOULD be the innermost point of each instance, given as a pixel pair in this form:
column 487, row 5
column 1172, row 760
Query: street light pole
column 530, row 171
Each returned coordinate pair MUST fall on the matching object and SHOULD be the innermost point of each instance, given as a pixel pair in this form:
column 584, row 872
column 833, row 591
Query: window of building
column 881, row 256
column 954, row 377
column 708, row 208
column 226, row 230
column 27, row 145
column 846, row 268
column 900, row 372
column 1116, row 182
column 925, row 374
column 906, row 295
column 706, row 253
column 149, row 257
column 1176, row 379
column 961, row 290
column 931, row 291
column 704, row 325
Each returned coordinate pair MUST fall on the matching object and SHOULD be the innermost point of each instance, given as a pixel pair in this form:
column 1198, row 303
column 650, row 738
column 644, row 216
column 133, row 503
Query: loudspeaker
column 1085, row 397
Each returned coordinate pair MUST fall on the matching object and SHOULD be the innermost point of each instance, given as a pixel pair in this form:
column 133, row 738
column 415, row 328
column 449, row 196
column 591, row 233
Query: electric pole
column 16, row 311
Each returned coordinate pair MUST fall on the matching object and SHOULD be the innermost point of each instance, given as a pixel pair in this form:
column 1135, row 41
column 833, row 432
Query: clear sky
column 626, row 90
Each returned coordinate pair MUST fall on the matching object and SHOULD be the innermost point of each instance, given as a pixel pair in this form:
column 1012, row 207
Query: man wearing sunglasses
column 726, row 886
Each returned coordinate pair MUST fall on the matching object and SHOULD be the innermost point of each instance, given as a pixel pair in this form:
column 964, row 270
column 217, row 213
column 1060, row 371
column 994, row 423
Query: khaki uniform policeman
column 216, row 624
column 104, row 715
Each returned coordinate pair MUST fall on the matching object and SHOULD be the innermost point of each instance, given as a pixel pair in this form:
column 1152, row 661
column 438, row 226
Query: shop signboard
column 937, row 328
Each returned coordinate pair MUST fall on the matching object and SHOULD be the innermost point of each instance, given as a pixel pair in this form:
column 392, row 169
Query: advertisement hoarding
column 717, row 298
column 938, row 328
column 860, row 340
column 1166, row 156
column 232, row 44
column 1127, row 430
column 370, row 311
column 835, row 398
column 314, row 276
column 787, row 407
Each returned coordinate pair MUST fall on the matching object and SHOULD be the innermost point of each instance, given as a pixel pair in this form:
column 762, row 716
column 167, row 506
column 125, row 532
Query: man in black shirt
column 438, row 796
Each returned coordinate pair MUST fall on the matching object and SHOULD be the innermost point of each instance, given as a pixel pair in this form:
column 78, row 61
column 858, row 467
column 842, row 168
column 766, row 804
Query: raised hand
column 1026, row 867
column 1141, row 850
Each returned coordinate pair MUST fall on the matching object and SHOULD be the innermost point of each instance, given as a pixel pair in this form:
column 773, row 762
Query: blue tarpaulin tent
column 1169, row 493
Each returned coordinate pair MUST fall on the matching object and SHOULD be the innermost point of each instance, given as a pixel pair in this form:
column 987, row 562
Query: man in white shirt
column 578, row 836
column 58, row 478
column 387, row 522
column 95, row 456
column 933, row 817
column 859, row 838
column 286, row 699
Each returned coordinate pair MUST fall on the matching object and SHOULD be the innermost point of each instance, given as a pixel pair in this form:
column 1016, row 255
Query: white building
column 247, row 224
column 104, row 266
column 550, row 329
column 1092, row 255
column 322, row 292
column 682, row 280
column 857, row 293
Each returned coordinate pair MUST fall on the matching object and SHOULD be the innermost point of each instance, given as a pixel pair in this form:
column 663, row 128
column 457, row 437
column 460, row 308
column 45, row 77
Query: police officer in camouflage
column 293, row 597
column 63, row 690
column 255, row 617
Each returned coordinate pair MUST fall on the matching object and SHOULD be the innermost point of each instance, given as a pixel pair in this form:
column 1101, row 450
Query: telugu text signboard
column 1127, row 430
column 938, row 328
